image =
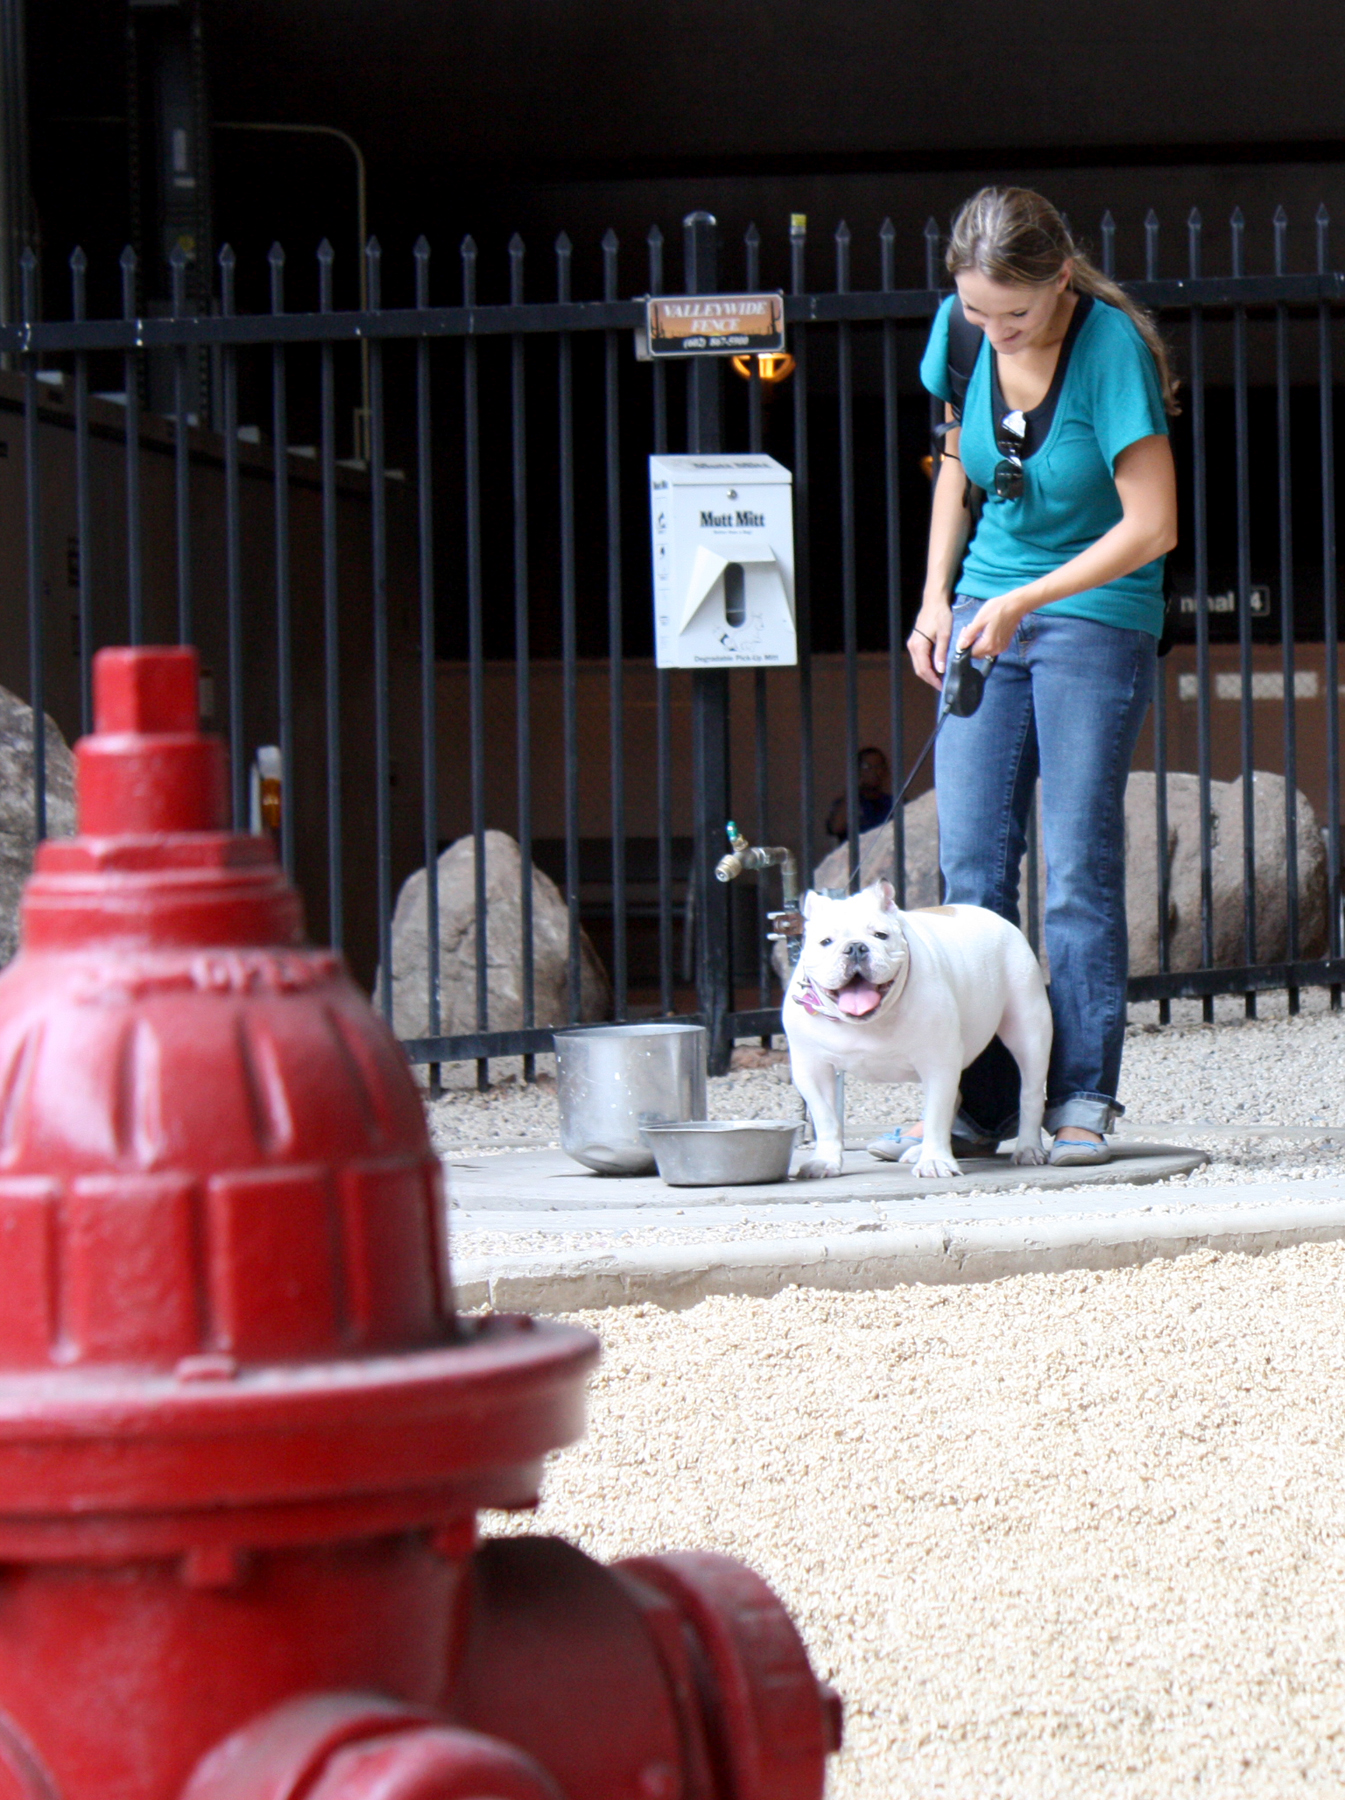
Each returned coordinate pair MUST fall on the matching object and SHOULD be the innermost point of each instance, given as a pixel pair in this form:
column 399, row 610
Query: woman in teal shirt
column 1063, row 426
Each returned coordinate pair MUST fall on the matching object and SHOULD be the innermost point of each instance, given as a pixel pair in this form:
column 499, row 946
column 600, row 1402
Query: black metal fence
column 449, row 630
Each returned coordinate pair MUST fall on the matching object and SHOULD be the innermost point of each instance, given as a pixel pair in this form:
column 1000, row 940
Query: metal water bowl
column 724, row 1152
column 612, row 1079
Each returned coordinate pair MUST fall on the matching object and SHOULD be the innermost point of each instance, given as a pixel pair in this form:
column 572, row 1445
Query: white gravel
column 1060, row 1535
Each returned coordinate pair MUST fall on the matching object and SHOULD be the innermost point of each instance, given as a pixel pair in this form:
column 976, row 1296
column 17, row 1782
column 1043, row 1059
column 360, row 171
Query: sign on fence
column 713, row 325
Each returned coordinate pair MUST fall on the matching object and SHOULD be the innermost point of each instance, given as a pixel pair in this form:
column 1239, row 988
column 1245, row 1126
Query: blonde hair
column 1011, row 234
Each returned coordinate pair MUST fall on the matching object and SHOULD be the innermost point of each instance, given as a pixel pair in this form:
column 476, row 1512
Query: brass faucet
column 788, row 922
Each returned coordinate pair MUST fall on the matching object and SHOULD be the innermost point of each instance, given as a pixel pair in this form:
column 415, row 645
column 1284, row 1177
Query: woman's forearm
column 949, row 530
column 1129, row 545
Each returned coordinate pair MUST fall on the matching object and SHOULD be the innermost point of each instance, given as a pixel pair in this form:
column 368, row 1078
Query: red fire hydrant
column 243, row 1436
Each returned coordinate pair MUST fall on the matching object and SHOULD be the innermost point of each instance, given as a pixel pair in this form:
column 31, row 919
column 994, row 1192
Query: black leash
column 963, row 685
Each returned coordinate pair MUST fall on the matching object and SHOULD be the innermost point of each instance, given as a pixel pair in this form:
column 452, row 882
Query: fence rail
column 190, row 466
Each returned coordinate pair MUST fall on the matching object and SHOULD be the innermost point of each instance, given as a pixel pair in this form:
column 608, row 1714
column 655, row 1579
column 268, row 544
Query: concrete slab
column 875, row 1226
column 539, row 1182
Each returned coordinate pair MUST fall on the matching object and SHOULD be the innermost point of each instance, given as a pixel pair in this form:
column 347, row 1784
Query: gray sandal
column 893, row 1145
column 1075, row 1153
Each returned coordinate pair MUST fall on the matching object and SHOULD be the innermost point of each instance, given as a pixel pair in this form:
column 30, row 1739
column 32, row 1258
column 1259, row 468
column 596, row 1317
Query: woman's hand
column 993, row 624
column 928, row 642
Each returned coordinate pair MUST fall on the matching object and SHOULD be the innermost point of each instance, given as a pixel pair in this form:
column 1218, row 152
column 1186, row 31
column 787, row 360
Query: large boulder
column 1183, row 860
column 1183, row 855
column 504, row 938
column 875, row 855
column 18, row 833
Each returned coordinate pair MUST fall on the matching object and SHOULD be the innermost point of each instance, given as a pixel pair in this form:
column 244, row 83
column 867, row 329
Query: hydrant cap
column 147, row 769
column 145, row 690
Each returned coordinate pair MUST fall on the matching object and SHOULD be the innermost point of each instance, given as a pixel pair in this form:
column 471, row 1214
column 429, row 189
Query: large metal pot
column 612, row 1079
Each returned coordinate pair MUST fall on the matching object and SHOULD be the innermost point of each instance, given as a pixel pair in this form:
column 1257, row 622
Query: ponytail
column 1089, row 279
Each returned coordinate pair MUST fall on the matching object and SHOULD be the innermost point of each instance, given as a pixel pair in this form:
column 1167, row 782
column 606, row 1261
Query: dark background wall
column 532, row 116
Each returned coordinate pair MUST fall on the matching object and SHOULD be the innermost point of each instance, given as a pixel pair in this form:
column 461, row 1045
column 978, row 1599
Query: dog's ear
column 806, row 904
column 887, row 894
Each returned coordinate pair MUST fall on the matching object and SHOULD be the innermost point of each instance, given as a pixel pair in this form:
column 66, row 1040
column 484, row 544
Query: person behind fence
column 1054, row 507
column 875, row 796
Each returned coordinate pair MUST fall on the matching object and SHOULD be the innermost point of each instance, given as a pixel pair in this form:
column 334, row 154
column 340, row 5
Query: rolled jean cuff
column 964, row 1127
column 1091, row 1112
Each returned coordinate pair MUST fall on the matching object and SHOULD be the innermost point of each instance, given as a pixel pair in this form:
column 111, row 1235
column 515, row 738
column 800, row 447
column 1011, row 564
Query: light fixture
column 773, row 367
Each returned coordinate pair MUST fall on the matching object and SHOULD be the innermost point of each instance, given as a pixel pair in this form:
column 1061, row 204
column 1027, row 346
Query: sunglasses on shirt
column 1010, row 441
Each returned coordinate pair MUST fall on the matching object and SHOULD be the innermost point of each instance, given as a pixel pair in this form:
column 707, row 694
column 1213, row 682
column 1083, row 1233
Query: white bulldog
column 913, row 996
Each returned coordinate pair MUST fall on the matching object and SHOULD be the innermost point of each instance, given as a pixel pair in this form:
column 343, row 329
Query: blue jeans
column 1065, row 701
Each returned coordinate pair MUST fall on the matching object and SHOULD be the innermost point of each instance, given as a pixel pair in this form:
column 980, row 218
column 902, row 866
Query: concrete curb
column 679, row 1276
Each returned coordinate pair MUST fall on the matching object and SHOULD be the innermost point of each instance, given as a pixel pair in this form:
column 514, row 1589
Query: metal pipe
column 745, row 856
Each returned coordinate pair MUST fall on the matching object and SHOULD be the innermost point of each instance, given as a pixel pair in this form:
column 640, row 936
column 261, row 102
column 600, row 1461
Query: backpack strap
column 964, row 346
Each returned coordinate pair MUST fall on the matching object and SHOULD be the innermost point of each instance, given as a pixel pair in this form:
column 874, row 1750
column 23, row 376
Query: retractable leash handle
column 964, row 684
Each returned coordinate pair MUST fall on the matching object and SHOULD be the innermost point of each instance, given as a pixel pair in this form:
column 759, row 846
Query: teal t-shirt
column 1110, row 399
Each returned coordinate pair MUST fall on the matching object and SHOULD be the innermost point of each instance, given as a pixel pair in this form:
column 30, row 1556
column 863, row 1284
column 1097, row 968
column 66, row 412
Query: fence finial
column 28, row 283
column 564, row 252
column 1108, row 229
column 276, row 257
column 177, row 263
column 128, row 271
column 1280, row 222
column 79, row 264
column 887, row 238
column 611, row 244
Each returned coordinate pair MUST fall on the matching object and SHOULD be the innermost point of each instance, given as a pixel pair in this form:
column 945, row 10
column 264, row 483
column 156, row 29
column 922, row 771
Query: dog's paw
column 933, row 1167
column 817, row 1168
column 1028, row 1156
column 914, row 1154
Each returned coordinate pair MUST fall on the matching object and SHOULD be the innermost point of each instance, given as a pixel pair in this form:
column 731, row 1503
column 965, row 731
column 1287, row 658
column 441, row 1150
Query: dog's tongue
column 858, row 997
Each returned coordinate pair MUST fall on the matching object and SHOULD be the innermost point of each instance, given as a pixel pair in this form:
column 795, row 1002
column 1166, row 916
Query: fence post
column 709, row 696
